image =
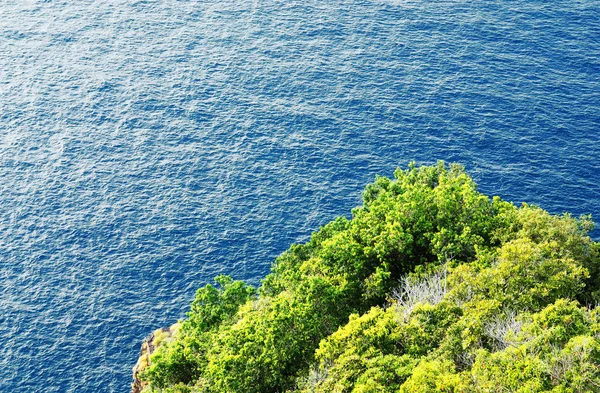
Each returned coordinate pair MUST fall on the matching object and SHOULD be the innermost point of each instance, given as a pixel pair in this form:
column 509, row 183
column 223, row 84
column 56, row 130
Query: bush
column 430, row 287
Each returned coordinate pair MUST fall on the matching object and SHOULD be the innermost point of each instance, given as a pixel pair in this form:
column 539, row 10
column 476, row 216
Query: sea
column 147, row 146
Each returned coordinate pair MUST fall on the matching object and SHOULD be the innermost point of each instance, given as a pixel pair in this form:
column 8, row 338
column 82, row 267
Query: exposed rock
column 149, row 345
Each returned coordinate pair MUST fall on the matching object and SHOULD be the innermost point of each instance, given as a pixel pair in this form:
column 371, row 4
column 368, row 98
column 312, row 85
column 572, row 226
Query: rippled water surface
column 147, row 146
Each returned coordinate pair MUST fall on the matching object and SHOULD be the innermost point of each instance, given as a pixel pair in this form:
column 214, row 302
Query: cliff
column 430, row 286
column 149, row 345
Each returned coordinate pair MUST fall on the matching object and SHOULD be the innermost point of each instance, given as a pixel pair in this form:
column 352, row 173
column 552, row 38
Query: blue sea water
column 147, row 146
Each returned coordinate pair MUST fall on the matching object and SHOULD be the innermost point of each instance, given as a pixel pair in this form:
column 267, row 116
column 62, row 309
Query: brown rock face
column 148, row 347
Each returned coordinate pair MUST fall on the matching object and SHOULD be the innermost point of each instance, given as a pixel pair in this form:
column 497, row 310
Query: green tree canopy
column 431, row 286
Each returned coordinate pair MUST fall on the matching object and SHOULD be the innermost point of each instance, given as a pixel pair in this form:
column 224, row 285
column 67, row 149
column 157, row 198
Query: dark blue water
column 147, row 146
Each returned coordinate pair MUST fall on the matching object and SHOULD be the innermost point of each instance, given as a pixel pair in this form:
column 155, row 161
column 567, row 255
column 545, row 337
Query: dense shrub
column 430, row 287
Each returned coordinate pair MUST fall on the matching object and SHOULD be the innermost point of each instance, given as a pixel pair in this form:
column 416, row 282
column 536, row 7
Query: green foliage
column 554, row 352
column 432, row 376
column 183, row 360
column 488, row 301
column 274, row 339
column 213, row 306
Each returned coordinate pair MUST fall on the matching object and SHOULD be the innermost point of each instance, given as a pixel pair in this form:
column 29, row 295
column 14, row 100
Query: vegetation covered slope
column 430, row 287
